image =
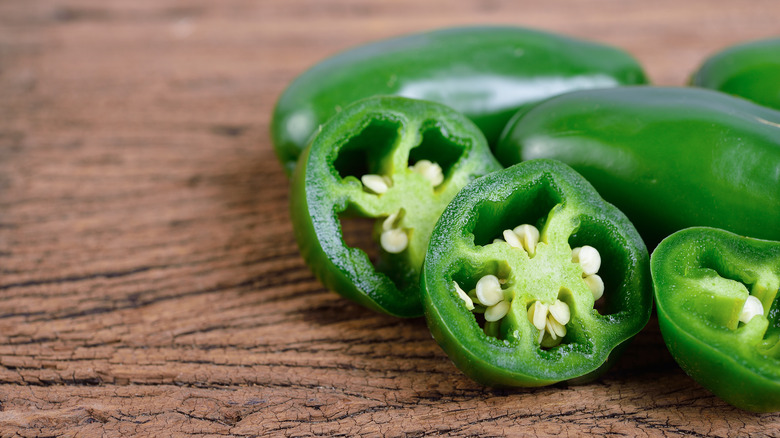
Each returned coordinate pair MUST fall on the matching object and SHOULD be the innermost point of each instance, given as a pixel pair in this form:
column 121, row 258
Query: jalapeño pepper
column 398, row 161
column 669, row 158
column 719, row 312
column 486, row 73
column 750, row 70
column 532, row 279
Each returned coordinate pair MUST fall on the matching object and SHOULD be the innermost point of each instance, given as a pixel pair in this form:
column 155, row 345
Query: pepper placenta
column 750, row 70
column 398, row 161
column 531, row 278
column 719, row 312
column 669, row 158
column 486, row 73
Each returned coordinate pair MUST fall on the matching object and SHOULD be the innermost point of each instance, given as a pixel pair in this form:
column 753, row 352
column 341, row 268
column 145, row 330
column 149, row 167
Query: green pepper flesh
column 570, row 213
column 750, row 70
column 669, row 158
column 702, row 278
column 381, row 136
column 486, row 73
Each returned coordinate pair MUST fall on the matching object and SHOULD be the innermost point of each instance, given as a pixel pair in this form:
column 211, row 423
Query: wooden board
column 149, row 277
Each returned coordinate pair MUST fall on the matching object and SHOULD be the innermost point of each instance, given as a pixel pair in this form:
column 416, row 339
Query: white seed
column 596, row 285
column 394, row 240
column 537, row 314
column 548, row 326
column 496, row 312
column 550, row 320
column 529, row 236
column 511, row 238
column 463, row 296
column 497, row 240
column 376, row 183
column 558, row 328
column 429, row 170
column 489, row 290
column 390, row 222
column 588, row 258
column 560, row 312
column 752, row 307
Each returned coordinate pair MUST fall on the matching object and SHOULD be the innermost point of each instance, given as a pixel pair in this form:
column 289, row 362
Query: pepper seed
column 429, row 170
column 376, row 183
column 752, row 308
column 588, row 258
column 463, row 296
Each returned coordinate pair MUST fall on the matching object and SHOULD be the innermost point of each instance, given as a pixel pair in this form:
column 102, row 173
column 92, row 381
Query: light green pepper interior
column 388, row 147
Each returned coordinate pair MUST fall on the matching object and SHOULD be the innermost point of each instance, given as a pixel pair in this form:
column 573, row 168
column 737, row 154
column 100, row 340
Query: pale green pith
column 422, row 203
column 712, row 301
column 552, row 197
column 546, row 276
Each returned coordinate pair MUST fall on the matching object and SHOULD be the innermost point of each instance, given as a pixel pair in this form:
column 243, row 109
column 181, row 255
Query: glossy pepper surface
column 750, row 70
column 532, row 279
column 486, row 73
column 398, row 161
column 669, row 158
column 719, row 312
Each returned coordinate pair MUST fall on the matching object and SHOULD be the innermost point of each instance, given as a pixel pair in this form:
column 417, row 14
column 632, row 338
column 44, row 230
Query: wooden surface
column 150, row 280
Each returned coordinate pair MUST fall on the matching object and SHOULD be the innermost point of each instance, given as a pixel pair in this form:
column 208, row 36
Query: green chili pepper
column 719, row 312
column 749, row 70
column 531, row 278
column 394, row 159
column 486, row 73
column 669, row 158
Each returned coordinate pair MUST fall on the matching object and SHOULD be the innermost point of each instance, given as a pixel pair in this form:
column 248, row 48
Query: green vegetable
column 515, row 266
column 719, row 312
column 398, row 161
column 669, row 158
column 486, row 73
column 749, row 70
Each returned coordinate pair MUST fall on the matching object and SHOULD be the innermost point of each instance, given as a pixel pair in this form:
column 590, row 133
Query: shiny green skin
column 749, row 70
column 380, row 135
column 462, row 249
column 486, row 73
column 669, row 158
column 702, row 277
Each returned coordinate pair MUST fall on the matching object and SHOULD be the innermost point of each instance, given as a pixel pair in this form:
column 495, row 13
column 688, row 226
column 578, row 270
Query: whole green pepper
column 395, row 160
column 719, row 312
column 669, row 158
column 750, row 70
column 486, row 73
column 558, row 280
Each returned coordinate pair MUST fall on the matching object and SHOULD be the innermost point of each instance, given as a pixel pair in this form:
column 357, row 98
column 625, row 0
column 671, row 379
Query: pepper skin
column 749, row 70
column 368, row 162
column 703, row 278
column 669, row 158
column 468, row 246
column 486, row 73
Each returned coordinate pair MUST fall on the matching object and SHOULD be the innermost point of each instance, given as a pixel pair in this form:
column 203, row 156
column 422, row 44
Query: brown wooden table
column 150, row 280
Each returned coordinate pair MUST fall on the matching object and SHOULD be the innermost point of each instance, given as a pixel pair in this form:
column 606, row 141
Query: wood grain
column 150, row 280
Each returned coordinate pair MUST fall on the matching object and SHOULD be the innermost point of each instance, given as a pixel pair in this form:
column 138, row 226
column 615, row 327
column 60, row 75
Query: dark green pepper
column 669, row 158
column 486, row 73
column 559, row 279
column 394, row 159
column 749, row 70
column 719, row 312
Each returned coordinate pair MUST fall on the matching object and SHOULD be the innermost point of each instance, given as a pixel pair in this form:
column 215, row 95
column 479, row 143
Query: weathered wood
column 150, row 280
